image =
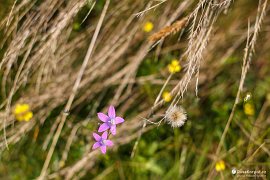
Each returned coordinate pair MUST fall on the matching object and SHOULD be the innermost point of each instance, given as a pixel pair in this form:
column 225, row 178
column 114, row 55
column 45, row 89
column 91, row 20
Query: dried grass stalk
column 168, row 30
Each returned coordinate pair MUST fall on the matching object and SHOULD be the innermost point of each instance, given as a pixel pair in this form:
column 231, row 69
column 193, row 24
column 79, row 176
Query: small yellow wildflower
column 166, row 96
column 22, row 112
column 148, row 26
column 249, row 109
column 174, row 66
column 220, row 166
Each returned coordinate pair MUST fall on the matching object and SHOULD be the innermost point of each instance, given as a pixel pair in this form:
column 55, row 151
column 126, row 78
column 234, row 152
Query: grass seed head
column 176, row 116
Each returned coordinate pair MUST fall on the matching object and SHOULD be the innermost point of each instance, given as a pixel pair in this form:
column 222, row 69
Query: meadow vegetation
column 62, row 62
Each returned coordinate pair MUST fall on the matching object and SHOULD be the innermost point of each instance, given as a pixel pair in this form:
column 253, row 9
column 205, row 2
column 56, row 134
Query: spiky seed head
column 176, row 116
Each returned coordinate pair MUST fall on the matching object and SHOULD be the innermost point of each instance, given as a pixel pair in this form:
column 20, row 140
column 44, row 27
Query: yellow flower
column 148, row 26
column 22, row 112
column 249, row 109
column 166, row 96
column 174, row 66
column 220, row 166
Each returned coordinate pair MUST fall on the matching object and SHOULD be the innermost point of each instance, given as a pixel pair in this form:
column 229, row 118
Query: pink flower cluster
column 109, row 123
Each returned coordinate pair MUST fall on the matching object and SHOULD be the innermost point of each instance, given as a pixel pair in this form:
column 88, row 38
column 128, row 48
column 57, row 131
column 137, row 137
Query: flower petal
column 103, row 127
column 111, row 112
column 104, row 135
column 96, row 136
column 103, row 117
column 113, row 129
column 103, row 149
column 96, row 145
column 108, row 143
column 28, row 116
column 119, row 120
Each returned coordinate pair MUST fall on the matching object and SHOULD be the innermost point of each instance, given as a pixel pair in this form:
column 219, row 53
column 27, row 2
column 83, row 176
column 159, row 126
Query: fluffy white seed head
column 176, row 116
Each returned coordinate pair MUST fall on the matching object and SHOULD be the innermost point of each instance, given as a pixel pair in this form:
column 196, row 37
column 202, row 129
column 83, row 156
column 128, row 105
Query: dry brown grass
column 48, row 68
column 168, row 30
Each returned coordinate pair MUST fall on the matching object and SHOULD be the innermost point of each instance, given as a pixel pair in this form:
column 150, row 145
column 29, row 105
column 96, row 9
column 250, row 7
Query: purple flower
column 102, row 142
column 110, row 121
